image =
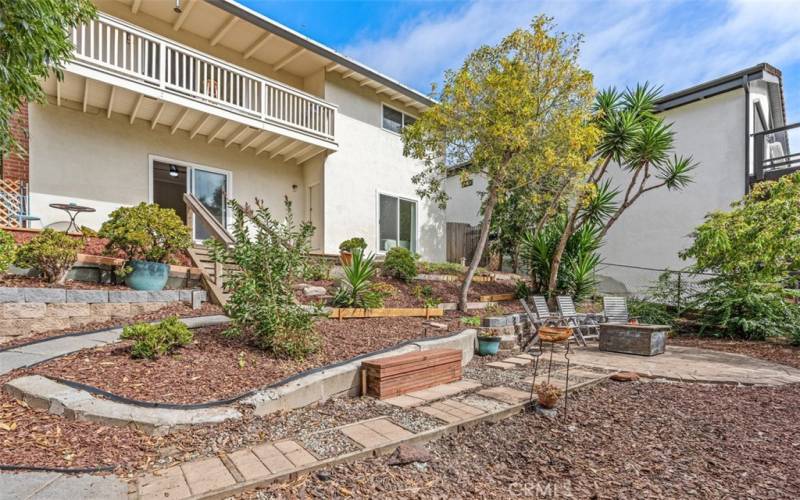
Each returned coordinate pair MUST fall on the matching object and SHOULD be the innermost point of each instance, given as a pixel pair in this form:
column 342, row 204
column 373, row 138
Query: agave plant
column 355, row 289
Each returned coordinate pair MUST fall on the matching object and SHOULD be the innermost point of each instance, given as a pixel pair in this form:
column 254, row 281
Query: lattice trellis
column 12, row 202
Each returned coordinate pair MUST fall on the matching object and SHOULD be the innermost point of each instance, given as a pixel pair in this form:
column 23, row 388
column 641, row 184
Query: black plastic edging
column 225, row 402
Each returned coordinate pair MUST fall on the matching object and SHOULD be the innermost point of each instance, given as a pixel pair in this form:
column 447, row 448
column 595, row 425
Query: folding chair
column 581, row 321
column 615, row 310
column 543, row 311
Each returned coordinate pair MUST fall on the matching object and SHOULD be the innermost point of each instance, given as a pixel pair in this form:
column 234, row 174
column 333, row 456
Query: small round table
column 72, row 210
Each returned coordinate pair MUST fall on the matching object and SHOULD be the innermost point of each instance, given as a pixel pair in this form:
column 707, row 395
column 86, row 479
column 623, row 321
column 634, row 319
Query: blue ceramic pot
column 149, row 276
column 488, row 346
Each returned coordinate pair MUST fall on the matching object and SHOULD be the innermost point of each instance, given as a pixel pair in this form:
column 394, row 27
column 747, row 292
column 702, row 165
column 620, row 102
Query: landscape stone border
column 99, row 296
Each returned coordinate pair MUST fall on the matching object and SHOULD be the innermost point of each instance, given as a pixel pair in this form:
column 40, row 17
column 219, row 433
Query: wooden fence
column 462, row 240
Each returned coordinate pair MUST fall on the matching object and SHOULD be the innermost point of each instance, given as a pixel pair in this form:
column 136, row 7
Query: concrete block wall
column 25, row 311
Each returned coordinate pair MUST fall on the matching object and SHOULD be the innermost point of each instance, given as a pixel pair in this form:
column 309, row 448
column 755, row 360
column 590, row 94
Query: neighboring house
column 211, row 98
column 714, row 122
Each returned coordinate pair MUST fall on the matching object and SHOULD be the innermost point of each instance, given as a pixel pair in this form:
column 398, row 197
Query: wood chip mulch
column 175, row 309
column 634, row 440
column 217, row 367
column 19, row 281
column 777, row 353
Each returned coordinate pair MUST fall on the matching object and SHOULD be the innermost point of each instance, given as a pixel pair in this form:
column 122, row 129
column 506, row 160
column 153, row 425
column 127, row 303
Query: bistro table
column 72, row 210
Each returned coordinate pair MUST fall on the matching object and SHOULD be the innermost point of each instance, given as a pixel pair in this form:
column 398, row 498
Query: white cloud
column 675, row 44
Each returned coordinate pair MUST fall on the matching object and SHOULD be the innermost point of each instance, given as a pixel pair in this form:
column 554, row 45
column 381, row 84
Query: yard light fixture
column 173, row 171
column 178, row 6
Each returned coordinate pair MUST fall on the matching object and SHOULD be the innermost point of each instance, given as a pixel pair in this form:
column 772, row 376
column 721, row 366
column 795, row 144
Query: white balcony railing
column 146, row 57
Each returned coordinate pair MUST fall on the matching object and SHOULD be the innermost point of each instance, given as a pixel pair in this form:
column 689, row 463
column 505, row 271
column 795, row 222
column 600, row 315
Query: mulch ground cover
column 215, row 366
column 637, row 440
column 175, row 309
column 410, row 294
column 770, row 351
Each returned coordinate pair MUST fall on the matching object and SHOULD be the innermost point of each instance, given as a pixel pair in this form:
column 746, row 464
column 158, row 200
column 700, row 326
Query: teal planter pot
column 148, row 276
column 488, row 346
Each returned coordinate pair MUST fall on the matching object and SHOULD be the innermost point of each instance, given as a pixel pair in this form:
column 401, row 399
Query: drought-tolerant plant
column 474, row 321
column 8, row 250
column 355, row 289
column 270, row 255
column 425, row 294
column 451, row 268
column 152, row 340
column 650, row 312
column 317, row 268
column 51, row 252
column 352, row 245
column 521, row 290
column 547, row 394
column 400, row 263
column 146, row 232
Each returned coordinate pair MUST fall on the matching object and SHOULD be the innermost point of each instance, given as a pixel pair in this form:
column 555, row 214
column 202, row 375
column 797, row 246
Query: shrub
column 521, row 290
column 146, row 232
column 52, row 253
column 450, row 268
column 153, row 340
column 352, row 245
column 649, row 312
column 425, row 294
column 474, row 321
column 8, row 250
column 317, row 268
column 355, row 289
column 400, row 263
column 261, row 304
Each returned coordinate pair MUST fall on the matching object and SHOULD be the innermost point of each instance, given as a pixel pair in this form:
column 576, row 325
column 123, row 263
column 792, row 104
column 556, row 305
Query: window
column 394, row 120
column 397, row 223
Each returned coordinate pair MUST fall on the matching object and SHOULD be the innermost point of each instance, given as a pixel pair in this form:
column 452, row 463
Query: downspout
column 746, row 85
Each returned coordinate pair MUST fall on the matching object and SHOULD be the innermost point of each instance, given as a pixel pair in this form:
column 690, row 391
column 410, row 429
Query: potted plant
column 347, row 247
column 488, row 344
column 150, row 236
column 548, row 395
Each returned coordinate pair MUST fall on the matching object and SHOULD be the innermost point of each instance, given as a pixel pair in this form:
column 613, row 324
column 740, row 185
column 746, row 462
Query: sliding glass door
column 397, row 223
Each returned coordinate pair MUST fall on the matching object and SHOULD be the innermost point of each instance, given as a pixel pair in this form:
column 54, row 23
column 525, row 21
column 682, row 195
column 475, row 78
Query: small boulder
column 406, row 454
column 314, row 291
column 625, row 377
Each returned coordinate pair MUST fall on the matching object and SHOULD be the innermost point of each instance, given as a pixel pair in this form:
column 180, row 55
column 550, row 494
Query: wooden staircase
column 212, row 273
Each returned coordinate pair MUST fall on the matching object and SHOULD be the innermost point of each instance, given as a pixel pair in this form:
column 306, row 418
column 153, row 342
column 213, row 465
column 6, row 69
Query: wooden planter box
column 395, row 375
column 644, row 340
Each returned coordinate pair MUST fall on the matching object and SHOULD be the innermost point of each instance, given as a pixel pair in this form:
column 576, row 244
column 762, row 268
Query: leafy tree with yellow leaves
column 518, row 113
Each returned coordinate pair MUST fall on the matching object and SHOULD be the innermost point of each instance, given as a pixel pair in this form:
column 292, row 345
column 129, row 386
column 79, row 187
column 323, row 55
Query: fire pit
column 631, row 338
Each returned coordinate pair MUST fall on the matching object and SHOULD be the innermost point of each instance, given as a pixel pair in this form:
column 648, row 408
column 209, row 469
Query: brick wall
column 16, row 165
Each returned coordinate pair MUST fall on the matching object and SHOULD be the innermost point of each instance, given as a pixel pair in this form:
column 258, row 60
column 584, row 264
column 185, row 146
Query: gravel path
column 638, row 440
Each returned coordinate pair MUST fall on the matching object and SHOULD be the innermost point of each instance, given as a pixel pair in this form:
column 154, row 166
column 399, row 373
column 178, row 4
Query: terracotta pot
column 346, row 258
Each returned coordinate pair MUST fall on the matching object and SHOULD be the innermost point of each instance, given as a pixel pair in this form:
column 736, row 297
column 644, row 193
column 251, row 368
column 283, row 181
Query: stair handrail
column 195, row 208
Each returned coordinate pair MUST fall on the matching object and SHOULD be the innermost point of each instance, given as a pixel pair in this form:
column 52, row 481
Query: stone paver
column 389, row 430
column 375, row 433
column 451, row 411
column 404, row 401
column 416, row 398
column 506, row 395
column 691, row 364
column 501, row 365
column 206, row 475
column 518, row 361
column 169, row 483
column 295, row 453
column 272, row 458
column 248, row 464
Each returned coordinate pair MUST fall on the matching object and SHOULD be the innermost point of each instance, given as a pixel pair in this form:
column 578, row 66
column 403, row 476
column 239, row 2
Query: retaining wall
column 25, row 311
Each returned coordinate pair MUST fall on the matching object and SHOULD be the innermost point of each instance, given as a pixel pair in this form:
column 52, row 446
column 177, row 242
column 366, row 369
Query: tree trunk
column 491, row 201
column 555, row 263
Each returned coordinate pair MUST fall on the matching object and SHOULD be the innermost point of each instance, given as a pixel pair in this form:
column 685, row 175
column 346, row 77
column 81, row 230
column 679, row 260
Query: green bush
column 356, row 289
column 317, row 269
column 352, row 245
column 158, row 339
column 425, row 294
column 270, row 257
column 400, row 263
column 649, row 312
column 521, row 290
column 146, row 232
column 8, row 250
column 450, row 268
column 51, row 252
column 474, row 321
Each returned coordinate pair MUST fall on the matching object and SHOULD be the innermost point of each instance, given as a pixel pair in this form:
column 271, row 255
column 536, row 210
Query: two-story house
column 210, row 98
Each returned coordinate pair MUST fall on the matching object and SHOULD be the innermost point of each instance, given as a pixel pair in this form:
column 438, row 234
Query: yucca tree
column 637, row 139
column 358, row 276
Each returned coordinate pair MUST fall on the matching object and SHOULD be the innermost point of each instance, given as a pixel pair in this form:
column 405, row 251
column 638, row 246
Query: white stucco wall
column 464, row 203
column 104, row 163
column 370, row 161
column 658, row 225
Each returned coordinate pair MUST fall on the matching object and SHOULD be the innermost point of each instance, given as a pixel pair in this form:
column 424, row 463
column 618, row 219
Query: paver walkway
column 692, row 365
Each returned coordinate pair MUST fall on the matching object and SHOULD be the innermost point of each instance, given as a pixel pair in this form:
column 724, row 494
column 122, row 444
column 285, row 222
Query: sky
column 671, row 43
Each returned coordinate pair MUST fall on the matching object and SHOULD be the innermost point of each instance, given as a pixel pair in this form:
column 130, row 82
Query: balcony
column 772, row 157
column 205, row 95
